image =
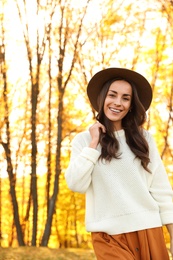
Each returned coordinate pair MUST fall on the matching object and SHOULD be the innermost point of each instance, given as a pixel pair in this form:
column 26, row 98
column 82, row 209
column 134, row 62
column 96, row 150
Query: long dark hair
column 132, row 125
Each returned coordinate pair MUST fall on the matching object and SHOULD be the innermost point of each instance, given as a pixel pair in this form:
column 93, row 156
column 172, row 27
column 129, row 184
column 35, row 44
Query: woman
column 116, row 163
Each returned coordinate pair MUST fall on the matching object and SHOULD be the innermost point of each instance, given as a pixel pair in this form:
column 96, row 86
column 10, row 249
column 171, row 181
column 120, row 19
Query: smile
column 115, row 110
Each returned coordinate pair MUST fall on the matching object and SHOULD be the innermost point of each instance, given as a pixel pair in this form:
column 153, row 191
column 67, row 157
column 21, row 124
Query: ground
column 43, row 253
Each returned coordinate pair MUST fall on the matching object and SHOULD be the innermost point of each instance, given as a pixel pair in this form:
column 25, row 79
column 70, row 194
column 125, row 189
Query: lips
column 115, row 110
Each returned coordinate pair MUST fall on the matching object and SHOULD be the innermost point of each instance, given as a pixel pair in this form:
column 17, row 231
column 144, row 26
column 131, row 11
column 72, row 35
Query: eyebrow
column 116, row 93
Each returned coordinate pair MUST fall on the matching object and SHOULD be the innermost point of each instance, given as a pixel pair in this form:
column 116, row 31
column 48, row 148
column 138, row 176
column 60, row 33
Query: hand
column 171, row 246
column 170, row 230
column 95, row 133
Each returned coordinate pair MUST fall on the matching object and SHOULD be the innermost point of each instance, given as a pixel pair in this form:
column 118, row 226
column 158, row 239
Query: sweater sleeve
column 160, row 188
column 82, row 161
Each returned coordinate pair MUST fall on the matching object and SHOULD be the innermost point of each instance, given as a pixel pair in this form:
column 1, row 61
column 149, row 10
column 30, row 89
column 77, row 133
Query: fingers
column 95, row 130
column 98, row 125
column 95, row 133
column 102, row 127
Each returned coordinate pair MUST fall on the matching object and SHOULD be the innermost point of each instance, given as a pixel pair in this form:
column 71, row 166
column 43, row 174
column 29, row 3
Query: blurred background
column 49, row 49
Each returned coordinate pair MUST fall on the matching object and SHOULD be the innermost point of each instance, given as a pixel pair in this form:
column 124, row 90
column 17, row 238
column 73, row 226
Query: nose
column 117, row 101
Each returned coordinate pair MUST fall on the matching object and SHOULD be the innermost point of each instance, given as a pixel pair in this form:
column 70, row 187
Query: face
column 118, row 102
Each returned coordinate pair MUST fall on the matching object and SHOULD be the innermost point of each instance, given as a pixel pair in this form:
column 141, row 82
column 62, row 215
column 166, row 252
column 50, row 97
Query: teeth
column 115, row 110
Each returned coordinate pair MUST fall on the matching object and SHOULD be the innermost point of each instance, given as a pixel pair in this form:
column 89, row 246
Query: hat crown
column 97, row 82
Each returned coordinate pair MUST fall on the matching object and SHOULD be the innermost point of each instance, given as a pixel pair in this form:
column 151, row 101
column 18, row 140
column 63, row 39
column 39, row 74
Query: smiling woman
column 118, row 102
column 116, row 163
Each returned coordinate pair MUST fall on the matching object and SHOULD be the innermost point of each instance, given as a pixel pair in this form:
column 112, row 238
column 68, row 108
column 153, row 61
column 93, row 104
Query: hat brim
column 96, row 83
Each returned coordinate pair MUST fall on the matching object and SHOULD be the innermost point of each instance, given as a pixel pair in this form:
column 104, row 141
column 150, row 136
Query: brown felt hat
column 97, row 82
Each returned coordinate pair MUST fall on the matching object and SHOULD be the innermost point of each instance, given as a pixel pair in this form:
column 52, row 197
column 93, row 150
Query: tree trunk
column 53, row 199
column 34, row 97
column 6, row 146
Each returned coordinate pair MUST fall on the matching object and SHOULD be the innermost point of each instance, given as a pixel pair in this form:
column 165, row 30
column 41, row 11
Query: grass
column 44, row 253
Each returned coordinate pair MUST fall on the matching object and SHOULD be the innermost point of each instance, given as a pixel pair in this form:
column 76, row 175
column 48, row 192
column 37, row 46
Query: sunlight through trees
column 48, row 52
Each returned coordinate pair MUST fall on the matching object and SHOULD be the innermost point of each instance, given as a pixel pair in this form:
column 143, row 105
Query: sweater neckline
column 119, row 133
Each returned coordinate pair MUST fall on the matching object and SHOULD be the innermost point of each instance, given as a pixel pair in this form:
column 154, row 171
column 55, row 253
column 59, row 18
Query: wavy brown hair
column 132, row 125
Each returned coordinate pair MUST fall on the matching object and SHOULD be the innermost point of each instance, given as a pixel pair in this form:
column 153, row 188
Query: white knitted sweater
column 120, row 195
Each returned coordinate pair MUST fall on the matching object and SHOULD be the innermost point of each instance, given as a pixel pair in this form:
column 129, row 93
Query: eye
column 111, row 95
column 126, row 98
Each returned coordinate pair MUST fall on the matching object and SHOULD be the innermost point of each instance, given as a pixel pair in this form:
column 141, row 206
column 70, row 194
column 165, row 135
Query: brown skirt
column 146, row 244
